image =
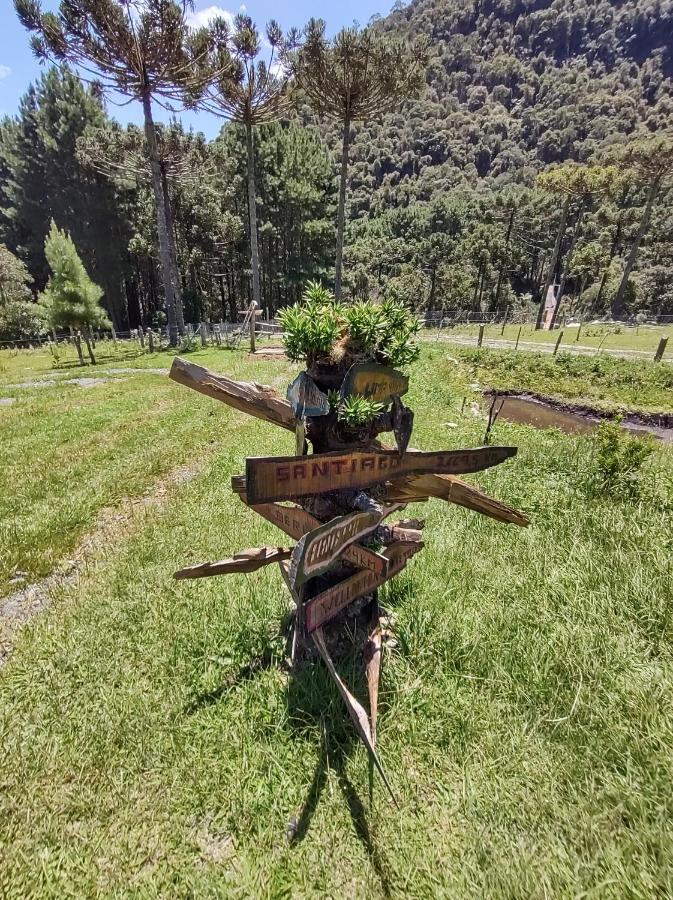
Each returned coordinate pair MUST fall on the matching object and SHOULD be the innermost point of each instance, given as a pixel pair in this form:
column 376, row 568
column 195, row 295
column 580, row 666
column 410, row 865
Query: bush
column 21, row 320
column 617, row 461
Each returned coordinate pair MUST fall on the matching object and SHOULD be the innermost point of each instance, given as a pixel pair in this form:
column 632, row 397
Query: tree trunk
column 568, row 260
column 77, row 341
column 161, row 201
column 618, row 302
column 553, row 262
column 341, row 209
column 175, row 275
column 503, row 264
column 252, row 216
column 88, row 340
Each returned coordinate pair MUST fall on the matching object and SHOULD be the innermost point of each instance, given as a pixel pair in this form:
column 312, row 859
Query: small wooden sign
column 244, row 561
column 317, row 550
column 297, row 522
column 306, row 399
column 325, row 606
column 284, row 477
column 379, row 383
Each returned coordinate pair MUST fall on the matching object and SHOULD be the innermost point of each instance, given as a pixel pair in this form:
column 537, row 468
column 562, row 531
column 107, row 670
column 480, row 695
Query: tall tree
column 354, row 76
column 42, row 178
column 71, row 299
column 250, row 92
column 144, row 50
column 651, row 160
column 573, row 184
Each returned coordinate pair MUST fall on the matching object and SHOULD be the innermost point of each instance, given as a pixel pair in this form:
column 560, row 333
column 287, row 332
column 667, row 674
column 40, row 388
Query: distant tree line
column 536, row 154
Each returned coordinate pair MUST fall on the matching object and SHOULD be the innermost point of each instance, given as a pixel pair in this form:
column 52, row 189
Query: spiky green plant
column 358, row 410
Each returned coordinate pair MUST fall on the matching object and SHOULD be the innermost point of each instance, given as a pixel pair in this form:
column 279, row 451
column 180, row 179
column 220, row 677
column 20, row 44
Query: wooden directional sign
column 296, row 522
column 245, row 561
column 306, row 399
column 318, row 549
column 284, row 477
column 325, row 606
column 379, row 383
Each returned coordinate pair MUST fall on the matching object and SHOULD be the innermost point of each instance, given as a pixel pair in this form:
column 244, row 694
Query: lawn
column 526, row 715
column 642, row 338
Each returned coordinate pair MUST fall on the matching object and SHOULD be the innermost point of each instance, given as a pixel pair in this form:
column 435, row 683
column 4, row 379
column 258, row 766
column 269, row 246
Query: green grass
column 609, row 337
column 526, row 711
column 605, row 382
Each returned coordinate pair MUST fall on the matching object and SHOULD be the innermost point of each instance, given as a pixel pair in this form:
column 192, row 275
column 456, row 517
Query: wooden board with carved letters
column 319, row 548
column 378, row 383
column 297, row 522
column 328, row 604
column 284, row 477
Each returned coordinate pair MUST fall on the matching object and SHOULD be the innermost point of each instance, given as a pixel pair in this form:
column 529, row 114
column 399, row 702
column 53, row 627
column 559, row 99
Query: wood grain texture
column 257, row 400
column 285, row 477
column 454, row 490
column 245, row 561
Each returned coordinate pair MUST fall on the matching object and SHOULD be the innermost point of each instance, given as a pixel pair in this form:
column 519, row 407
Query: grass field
column 526, row 712
column 643, row 338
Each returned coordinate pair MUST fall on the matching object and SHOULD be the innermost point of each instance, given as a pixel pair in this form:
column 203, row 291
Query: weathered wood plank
column 325, row 606
column 282, row 478
column 378, row 383
column 245, row 561
column 257, row 400
column 355, row 709
column 454, row 490
column 296, row 522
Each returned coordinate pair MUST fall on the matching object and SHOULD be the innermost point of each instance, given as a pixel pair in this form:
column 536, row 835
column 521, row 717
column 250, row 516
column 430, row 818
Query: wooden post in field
column 141, row 336
column 481, row 335
column 579, row 331
column 558, row 342
column 253, row 320
column 516, row 346
column 504, row 321
column 203, row 329
column 660, row 349
column 150, row 340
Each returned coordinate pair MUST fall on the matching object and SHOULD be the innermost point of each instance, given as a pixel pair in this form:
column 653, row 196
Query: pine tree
column 251, row 93
column 354, row 76
column 42, row 178
column 143, row 49
column 71, row 299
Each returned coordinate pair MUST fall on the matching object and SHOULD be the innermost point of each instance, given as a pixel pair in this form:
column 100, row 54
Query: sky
column 18, row 66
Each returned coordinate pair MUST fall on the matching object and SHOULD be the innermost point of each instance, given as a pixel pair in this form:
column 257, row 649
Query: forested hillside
column 448, row 201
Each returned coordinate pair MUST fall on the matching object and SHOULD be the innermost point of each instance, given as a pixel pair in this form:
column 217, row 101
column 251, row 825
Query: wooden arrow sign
column 284, row 477
column 317, row 550
column 379, row 383
column 245, row 561
column 325, row 606
column 297, row 522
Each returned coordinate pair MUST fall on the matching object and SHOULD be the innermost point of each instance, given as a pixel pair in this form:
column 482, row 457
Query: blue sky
column 18, row 67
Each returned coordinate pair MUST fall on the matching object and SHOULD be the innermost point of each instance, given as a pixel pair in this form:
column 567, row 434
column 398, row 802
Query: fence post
column 579, row 331
column 150, row 340
column 516, row 346
column 504, row 321
column 558, row 342
column 204, row 334
column 253, row 318
column 660, row 349
column 481, row 335
column 141, row 335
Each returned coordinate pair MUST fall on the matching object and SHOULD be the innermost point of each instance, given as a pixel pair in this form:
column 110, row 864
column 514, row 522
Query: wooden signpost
column 343, row 491
column 284, row 477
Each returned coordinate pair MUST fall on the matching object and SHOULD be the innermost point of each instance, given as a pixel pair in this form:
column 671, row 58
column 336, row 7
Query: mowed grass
column 525, row 720
column 68, row 451
column 643, row 338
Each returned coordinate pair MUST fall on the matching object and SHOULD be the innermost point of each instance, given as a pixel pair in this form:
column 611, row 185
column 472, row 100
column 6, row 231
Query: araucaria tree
column 71, row 299
column 250, row 92
column 354, row 76
column 144, row 50
column 651, row 161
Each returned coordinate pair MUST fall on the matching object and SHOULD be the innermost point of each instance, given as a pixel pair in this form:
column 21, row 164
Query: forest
column 534, row 149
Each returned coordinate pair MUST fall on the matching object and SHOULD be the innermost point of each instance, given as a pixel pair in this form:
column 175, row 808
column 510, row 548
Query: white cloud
column 203, row 17
column 4, row 72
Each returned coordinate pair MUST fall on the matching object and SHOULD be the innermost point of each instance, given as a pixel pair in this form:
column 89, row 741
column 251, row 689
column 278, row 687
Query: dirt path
column 111, row 524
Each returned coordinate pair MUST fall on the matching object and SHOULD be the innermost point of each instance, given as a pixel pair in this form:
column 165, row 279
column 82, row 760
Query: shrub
column 617, row 461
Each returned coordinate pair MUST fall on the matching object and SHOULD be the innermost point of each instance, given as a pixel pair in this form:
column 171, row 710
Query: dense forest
column 513, row 169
